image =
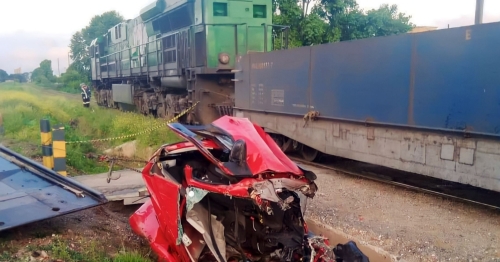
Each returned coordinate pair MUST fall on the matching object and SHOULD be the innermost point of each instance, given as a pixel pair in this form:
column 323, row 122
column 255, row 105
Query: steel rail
column 403, row 185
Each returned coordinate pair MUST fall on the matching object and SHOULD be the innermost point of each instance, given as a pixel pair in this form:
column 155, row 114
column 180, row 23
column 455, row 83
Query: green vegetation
column 337, row 20
column 89, row 252
column 3, row 75
column 80, row 42
column 43, row 74
column 75, row 250
column 130, row 257
column 23, row 105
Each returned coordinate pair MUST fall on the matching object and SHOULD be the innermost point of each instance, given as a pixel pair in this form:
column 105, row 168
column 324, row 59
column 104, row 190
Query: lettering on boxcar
column 253, row 94
column 278, row 97
column 262, row 65
column 303, row 106
column 260, row 94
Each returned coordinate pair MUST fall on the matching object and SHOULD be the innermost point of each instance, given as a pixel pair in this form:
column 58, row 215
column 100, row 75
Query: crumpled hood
column 262, row 152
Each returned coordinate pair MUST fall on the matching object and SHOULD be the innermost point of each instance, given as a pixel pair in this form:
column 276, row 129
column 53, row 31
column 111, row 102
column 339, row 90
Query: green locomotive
column 178, row 52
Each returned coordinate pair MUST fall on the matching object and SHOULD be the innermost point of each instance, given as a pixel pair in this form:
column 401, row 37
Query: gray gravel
column 412, row 226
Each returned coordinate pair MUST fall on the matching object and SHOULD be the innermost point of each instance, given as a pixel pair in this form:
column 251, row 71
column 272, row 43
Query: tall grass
column 24, row 105
column 81, row 250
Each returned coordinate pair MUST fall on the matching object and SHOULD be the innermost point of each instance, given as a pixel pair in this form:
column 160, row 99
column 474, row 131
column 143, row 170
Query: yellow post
column 46, row 136
column 59, row 146
column 2, row 131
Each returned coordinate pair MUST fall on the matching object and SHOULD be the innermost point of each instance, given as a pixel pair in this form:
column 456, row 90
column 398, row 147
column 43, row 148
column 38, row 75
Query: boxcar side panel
column 439, row 80
column 362, row 80
column 457, row 79
column 279, row 82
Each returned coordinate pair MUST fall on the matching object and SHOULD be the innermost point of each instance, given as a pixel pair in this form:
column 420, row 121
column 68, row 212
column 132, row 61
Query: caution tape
column 136, row 134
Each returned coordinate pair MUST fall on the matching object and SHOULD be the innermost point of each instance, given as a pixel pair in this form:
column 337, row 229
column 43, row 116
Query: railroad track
column 418, row 183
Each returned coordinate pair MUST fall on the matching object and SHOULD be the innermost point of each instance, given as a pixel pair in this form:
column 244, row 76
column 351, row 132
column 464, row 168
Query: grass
column 60, row 249
column 24, row 105
column 89, row 252
column 73, row 88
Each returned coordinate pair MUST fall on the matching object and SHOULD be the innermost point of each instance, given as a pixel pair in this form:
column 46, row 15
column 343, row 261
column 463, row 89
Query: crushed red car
column 228, row 193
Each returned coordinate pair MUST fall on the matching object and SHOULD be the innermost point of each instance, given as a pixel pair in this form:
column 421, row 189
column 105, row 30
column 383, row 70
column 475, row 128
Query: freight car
column 178, row 52
column 427, row 103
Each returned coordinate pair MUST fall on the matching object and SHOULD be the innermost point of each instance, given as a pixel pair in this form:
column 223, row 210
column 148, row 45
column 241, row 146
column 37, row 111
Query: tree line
column 4, row 76
column 311, row 23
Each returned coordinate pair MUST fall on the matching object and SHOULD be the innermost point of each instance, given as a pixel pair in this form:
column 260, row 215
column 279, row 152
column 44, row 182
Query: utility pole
column 58, row 69
column 479, row 11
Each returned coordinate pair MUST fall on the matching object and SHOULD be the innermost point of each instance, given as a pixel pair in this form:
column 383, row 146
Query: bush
column 71, row 81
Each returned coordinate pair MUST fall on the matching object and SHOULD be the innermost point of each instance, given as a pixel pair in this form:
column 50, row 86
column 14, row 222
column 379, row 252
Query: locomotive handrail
column 118, row 61
column 286, row 27
column 191, row 26
column 150, row 42
column 225, row 24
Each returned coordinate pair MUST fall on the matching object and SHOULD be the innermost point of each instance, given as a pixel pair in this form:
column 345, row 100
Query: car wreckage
column 228, row 193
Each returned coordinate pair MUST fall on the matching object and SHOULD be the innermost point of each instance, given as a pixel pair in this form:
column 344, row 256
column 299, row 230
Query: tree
column 337, row 20
column 78, row 54
column 44, row 73
column 80, row 41
column 387, row 21
column 3, row 75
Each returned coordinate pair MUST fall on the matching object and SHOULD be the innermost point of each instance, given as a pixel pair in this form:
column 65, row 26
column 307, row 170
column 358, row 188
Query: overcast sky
column 33, row 30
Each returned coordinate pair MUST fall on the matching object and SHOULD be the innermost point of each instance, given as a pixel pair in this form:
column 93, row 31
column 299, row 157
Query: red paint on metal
column 144, row 223
column 241, row 189
column 263, row 155
column 164, row 208
column 184, row 145
column 165, row 196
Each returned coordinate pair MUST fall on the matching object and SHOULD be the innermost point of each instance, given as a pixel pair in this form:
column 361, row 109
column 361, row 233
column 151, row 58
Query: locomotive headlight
column 223, row 58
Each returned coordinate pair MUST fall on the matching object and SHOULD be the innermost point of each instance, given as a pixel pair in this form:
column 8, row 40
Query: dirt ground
column 96, row 234
column 411, row 226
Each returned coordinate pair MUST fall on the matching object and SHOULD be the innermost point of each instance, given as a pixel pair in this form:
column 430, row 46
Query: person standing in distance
column 85, row 95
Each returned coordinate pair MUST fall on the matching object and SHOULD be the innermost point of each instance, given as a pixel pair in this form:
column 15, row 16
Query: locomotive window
column 118, row 31
column 91, row 51
column 169, row 41
column 220, row 9
column 259, row 11
column 170, row 56
column 179, row 18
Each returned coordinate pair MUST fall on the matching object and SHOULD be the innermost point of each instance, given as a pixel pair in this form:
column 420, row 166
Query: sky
column 40, row 30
